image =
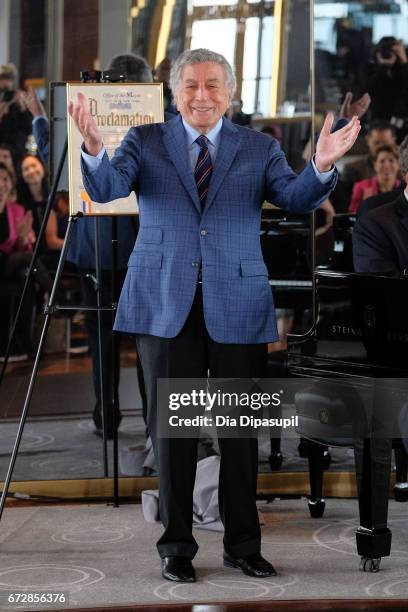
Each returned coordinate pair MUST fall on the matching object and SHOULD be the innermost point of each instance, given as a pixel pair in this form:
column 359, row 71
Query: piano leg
column 401, row 466
column 373, row 466
column 319, row 460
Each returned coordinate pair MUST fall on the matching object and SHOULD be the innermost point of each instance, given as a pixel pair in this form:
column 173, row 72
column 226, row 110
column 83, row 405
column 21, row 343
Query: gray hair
column 403, row 152
column 199, row 56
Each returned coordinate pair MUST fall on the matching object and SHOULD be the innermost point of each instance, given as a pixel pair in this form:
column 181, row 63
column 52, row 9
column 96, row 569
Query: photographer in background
column 15, row 120
column 387, row 83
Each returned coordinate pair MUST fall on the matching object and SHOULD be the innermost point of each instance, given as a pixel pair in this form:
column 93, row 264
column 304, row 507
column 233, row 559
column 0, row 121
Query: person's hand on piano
column 331, row 146
column 86, row 125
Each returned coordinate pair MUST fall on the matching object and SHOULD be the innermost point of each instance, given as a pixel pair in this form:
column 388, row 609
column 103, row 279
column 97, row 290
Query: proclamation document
column 116, row 107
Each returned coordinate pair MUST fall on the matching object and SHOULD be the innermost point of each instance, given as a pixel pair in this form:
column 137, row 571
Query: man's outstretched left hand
column 332, row 146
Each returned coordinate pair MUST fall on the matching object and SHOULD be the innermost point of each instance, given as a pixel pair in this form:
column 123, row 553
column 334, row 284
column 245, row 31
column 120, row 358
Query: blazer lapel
column 227, row 150
column 175, row 142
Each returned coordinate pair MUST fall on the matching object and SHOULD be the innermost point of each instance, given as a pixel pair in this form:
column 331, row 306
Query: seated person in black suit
column 380, row 246
column 380, row 237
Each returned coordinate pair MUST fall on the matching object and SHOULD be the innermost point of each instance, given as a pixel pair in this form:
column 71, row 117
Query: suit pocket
column 253, row 267
column 150, row 235
column 145, row 260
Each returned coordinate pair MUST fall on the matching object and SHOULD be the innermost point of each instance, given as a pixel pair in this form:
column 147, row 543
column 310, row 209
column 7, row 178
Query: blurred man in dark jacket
column 380, row 237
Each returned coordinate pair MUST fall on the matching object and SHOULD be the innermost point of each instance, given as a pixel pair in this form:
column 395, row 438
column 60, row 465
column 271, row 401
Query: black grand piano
column 360, row 341
column 360, row 337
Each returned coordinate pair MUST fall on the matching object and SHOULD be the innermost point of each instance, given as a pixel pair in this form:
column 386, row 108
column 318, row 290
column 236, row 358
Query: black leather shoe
column 178, row 569
column 252, row 565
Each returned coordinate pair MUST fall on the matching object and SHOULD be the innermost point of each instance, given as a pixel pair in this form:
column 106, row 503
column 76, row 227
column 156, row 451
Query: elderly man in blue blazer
column 197, row 294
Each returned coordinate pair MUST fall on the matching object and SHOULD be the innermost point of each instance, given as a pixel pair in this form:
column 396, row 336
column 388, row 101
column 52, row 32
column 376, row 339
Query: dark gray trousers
column 193, row 354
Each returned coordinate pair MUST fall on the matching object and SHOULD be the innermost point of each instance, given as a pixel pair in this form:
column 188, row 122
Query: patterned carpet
column 103, row 555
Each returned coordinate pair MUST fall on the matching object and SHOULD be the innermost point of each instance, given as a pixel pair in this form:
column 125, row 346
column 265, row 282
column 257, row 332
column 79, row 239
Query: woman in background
column 32, row 188
column 16, row 239
column 16, row 242
column 387, row 167
column 7, row 157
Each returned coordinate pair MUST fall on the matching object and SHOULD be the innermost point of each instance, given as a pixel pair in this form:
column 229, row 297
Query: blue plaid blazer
column 175, row 240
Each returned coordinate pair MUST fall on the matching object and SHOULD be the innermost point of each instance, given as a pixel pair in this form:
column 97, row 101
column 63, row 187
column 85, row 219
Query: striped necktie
column 203, row 169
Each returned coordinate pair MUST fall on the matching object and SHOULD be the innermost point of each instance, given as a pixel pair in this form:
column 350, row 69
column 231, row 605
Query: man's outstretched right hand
column 86, row 125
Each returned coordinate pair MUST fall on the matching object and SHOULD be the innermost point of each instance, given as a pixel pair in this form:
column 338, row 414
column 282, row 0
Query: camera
column 385, row 47
column 7, row 95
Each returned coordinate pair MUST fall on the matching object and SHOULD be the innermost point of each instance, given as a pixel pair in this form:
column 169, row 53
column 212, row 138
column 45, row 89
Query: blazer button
column 195, row 264
column 203, row 232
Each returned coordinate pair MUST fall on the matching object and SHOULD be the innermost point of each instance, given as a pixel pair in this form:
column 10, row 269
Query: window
column 216, row 34
column 243, row 33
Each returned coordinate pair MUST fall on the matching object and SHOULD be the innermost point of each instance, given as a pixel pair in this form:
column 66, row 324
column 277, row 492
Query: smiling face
column 6, row 186
column 386, row 166
column 32, row 170
column 203, row 96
